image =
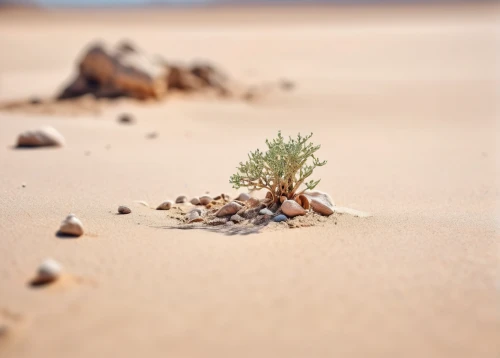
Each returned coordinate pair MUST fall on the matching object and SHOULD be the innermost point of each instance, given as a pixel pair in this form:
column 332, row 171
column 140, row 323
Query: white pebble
column 48, row 271
column 71, row 226
column 43, row 137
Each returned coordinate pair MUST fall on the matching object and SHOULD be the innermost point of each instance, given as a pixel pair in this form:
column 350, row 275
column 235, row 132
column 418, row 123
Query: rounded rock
column 48, row 271
column 181, row 199
column 166, row 205
column 194, row 216
column 320, row 202
column 291, row 208
column 237, row 219
column 124, row 210
column 279, row 218
column 205, row 200
column 195, row 201
column 43, row 137
column 266, row 211
column 229, row 209
column 71, row 226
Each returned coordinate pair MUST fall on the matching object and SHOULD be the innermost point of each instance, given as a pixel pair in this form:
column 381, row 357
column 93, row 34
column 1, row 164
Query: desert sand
column 403, row 101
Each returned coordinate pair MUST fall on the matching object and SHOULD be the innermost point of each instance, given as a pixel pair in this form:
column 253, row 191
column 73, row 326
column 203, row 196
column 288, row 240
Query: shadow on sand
column 225, row 230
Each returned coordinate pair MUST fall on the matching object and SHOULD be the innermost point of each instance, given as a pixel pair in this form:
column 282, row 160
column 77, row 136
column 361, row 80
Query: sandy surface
column 403, row 102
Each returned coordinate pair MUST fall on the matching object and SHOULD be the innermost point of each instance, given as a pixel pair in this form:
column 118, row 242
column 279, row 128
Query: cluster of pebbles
column 246, row 210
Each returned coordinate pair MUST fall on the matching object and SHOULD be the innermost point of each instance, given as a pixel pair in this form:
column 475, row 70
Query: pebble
column 229, row 223
column 166, row 205
column 195, row 201
column 205, row 199
column 49, row 271
column 181, row 199
column 266, row 211
column 124, row 210
column 237, row 219
column 152, row 135
column 243, row 197
column 320, row 202
column 194, row 216
column 291, row 208
column 71, row 226
column 279, row 218
column 126, row 118
column 229, row 209
column 43, row 137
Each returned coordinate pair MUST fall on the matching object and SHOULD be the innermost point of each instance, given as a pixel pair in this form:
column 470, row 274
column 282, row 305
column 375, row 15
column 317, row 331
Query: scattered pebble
column 126, row 118
column 195, row 201
column 71, row 226
column 166, row 205
column 205, row 199
column 49, row 271
column 229, row 209
column 181, row 199
column 23, row 185
column 279, row 218
column 124, row 210
column 291, row 208
column 229, row 223
column 243, row 197
column 287, row 85
column 43, row 137
column 266, row 211
column 35, row 100
column 152, row 135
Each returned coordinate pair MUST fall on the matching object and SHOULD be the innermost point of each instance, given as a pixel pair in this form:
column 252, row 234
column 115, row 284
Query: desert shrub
column 282, row 169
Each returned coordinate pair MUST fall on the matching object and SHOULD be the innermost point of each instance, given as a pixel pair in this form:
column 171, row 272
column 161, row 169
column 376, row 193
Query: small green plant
column 282, row 169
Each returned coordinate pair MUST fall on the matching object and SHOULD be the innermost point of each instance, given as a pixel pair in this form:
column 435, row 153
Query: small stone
column 195, row 201
column 194, row 216
column 229, row 209
column 291, row 208
column 43, row 137
column 71, row 226
column 166, row 205
column 205, row 200
column 243, row 197
column 126, row 118
column 266, row 211
column 320, row 202
column 287, row 85
column 181, row 199
column 237, row 219
column 49, row 271
column 124, row 210
column 23, row 185
column 152, row 135
column 229, row 223
column 279, row 218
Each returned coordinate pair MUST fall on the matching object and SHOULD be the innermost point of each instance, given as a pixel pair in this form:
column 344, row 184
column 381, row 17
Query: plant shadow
column 222, row 229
